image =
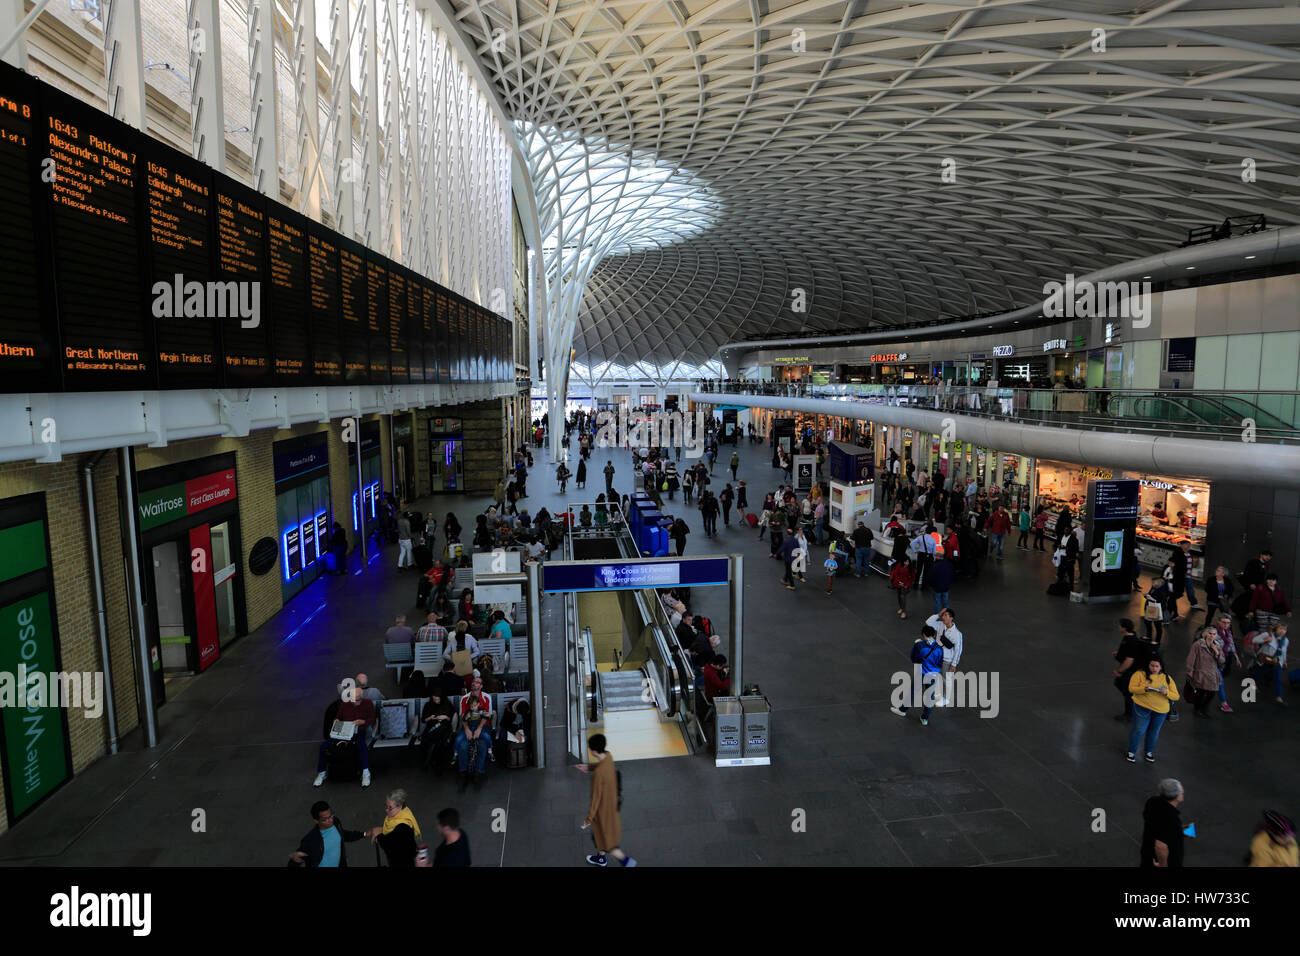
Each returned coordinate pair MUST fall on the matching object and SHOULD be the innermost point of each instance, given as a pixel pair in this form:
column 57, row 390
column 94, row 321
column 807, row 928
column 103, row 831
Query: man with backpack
column 927, row 661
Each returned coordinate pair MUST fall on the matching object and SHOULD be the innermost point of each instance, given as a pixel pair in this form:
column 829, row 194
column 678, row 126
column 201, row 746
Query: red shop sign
column 210, row 490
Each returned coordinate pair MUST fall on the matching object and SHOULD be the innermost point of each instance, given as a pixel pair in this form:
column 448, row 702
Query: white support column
column 123, row 62
column 393, row 125
column 341, row 109
column 261, row 75
column 308, row 99
column 207, row 112
column 11, row 19
column 425, row 197
column 412, row 48
column 371, row 209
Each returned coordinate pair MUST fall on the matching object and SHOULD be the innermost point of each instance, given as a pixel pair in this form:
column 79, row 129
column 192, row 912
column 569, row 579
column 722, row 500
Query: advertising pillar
column 1110, row 534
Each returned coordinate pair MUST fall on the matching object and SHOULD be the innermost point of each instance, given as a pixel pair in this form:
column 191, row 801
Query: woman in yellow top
column 1274, row 842
column 1152, row 691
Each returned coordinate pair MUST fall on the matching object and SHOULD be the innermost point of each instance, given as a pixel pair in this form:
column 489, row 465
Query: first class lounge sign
column 162, row 505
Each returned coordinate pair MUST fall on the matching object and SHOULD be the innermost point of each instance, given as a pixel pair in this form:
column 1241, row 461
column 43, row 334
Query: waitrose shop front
column 189, row 534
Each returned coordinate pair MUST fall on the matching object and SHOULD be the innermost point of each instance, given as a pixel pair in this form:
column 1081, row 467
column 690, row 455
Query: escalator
column 628, row 677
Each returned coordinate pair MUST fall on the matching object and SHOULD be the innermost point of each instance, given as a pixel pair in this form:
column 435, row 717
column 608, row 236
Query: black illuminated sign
column 290, row 294
column 127, row 264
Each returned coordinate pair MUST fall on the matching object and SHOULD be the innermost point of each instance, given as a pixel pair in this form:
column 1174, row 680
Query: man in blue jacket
column 941, row 578
column 927, row 661
column 324, row 845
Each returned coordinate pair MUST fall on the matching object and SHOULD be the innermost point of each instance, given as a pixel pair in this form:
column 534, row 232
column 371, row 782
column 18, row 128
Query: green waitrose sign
column 36, row 757
column 162, row 505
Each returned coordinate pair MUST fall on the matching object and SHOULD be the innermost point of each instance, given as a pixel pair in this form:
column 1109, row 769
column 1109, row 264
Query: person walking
column 1204, row 670
column 742, row 499
column 862, row 538
column 562, row 476
column 999, row 528
column 1274, row 842
column 581, row 475
column 1224, row 626
column 678, row 534
column 1040, row 529
column 789, row 545
column 453, row 851
column 709, row 512
column 901, row 578
column 928, row 654
column 1218, row 593
column 776, row 527
column 1024, row 521
column 1132, row 654
column 609, row 479
column 1162, row 827
column 1152, row 691
column 734, row 464
column 799, row 564
column 725, row 499
column 830, row 565
column 404, row 545
column 942, row 574
column 688, row 485
column 602, row 813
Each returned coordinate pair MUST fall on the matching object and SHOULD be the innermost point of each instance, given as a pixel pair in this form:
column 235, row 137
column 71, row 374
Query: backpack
column 393, row 720
column 704, row 626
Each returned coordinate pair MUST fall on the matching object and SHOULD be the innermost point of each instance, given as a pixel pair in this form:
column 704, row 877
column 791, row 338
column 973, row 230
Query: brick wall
column 74, row 595
column 485, row 443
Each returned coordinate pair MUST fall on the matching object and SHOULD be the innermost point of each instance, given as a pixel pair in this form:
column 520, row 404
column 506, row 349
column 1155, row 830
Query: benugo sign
column 165, row 504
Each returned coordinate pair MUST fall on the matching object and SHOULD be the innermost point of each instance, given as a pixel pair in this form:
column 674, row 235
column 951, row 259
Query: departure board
column 476, row 340
column 399, row 371
column 463, row 334
column 99, row 290
column 241, row 271
column 187, row 334
column 352, row 309
column 444, row 335
column 326, row 337
column 429, row 326
column 26, row 344
column 127, row 264
column 290, row 294
column 414, row 329
column 378, row 320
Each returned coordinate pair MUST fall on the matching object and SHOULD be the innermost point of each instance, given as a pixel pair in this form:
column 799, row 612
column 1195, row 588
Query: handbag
column 461, row 662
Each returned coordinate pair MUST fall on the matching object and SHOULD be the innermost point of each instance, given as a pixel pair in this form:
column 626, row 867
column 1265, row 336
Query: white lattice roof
column 820, row 131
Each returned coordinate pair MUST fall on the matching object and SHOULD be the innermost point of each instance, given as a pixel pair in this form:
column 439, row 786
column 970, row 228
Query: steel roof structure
column 878, row 163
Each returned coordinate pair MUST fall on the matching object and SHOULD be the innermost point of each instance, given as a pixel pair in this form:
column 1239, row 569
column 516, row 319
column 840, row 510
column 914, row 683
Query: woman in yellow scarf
column 399, row 834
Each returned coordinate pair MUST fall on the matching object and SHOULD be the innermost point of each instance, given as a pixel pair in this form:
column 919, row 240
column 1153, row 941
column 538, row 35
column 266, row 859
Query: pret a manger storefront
column 1171, row 508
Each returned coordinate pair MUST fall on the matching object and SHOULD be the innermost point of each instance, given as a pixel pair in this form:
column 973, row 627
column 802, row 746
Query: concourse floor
column 850, row 782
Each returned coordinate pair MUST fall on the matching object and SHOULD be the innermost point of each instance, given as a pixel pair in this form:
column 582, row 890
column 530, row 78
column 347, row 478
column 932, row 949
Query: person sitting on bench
column 361, row 713
column 475, row 717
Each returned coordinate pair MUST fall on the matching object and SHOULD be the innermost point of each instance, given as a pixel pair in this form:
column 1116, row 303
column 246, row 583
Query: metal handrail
column 1099, row 409
column 592, row 698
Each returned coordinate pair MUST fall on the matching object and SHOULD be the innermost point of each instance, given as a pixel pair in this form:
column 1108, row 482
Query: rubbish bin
column 757, row 737
column 727, row 727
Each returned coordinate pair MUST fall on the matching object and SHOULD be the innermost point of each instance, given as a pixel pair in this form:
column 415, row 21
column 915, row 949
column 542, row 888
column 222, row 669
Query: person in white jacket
column 948, row 635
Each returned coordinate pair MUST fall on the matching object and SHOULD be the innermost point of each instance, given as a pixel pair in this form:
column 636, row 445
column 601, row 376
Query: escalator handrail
column 594, row 703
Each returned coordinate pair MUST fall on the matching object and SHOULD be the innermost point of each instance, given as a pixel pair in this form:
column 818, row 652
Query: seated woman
column 465, row 605
column 435, row 730
column 514, row 720
column 584, row 517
